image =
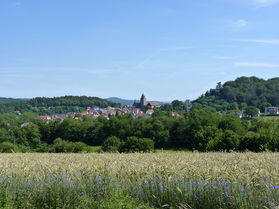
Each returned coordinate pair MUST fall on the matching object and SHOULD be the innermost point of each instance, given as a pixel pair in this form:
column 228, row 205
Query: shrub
column 134, row 144
column 111, row 144
column 76, row 147
column 228, row 140
column 59, row 145
column 43, row 147
column 6, row 147
column 250, row 141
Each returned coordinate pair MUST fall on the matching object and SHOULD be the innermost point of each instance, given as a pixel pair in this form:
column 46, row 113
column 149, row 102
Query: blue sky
column 167, row 49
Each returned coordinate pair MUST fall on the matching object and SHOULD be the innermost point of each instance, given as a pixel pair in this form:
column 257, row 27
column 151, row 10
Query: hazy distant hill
column 121, row 101
column 127, row 101
column 4, row 100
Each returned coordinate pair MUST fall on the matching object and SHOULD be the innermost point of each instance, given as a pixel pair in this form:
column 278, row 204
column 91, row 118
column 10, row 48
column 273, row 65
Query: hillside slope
column 237, row 94
column 4, row 100
column 43, row 105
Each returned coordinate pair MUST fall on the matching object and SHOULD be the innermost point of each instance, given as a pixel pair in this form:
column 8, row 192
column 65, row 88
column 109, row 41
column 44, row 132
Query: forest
column 197, row 130
column 55, row 105
column 240, row 93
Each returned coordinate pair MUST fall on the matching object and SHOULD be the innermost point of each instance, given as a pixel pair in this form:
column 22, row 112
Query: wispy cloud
column 225, row 57
column 99, row 71
column 161, row 50
column 237, row 24
column 240, row 23
column 256, row 64
column 264, row 3
column 179, row 48
column 143, row 62
column 259, row 41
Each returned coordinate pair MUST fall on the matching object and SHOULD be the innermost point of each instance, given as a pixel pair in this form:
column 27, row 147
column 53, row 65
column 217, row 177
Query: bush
column 111, row 144
column 228, row 140
column 250, row 141
column 59, row 145
column 76, row 147
column 43, row 147
column 134, row 144
column 6, row 147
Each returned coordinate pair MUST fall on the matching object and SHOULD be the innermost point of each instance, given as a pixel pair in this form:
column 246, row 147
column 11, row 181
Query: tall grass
column 168, row 180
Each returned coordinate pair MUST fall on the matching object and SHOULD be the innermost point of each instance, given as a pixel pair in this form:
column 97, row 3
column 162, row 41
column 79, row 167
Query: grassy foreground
column 161, row 180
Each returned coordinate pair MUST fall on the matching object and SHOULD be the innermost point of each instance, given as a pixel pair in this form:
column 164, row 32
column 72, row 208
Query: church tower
column 142, row 101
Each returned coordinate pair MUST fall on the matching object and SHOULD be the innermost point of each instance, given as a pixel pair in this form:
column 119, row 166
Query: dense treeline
column 238, row 94
column 196, row 130
column 45, row 106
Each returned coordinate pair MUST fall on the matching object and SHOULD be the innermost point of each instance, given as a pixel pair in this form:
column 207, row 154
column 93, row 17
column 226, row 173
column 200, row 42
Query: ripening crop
column 152, row 180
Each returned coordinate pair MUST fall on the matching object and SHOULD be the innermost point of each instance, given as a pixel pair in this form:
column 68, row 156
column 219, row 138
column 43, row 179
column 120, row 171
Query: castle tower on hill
column 142, row 101
column 140, row 104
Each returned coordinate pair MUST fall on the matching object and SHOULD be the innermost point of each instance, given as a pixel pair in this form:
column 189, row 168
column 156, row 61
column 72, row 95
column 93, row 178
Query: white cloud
column 264, row 3
column 256, row 64
column 259, row 41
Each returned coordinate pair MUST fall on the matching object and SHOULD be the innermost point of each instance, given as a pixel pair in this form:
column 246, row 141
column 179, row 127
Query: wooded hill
column 4, row 100
column 44, row 105
column 240, row 93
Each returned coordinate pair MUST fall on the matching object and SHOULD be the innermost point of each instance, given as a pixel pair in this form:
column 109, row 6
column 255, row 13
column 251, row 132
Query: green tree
column 231, row 122
column 6, row 147
column 227, row 141
column 134, row 144
column 5, row 136
column 111, row 144
column 76, row 147
column 251, row 111
column 59, row 145
column 264, row 105
column 177, row 105
column 250, row 141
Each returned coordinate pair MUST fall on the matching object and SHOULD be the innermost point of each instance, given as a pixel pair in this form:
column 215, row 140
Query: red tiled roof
column 153, row 103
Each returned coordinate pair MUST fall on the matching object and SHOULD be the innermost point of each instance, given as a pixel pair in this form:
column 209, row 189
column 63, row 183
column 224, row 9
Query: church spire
column 142, row 101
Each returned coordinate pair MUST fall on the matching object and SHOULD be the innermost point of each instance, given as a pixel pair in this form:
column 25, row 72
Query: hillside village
column 138, row 109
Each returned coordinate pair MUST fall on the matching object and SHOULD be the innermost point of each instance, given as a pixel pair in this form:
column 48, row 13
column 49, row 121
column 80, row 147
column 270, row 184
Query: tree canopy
column 240, row 93
column 45, row 106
